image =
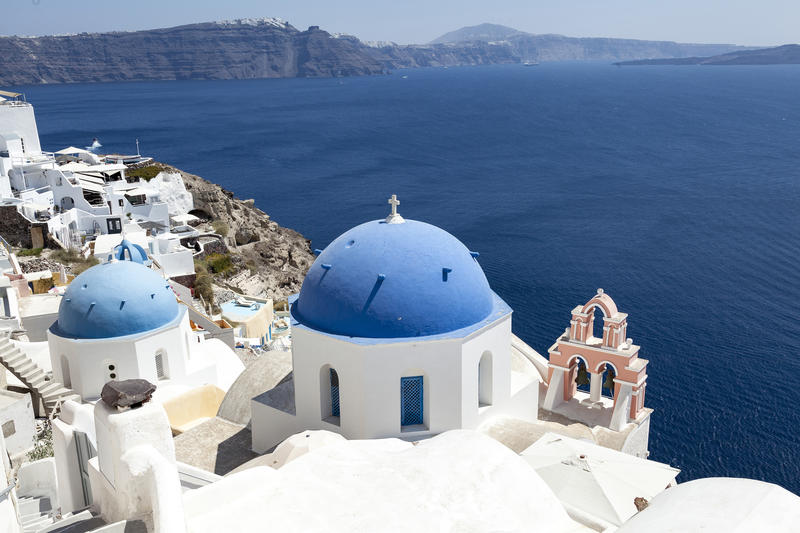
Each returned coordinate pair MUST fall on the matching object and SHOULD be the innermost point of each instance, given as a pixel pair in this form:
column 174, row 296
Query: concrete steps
column 35, row 513
column 51, row 393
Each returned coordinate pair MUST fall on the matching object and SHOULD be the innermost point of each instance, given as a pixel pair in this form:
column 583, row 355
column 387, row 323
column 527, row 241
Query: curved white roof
column 719, row 505
column 457, row 481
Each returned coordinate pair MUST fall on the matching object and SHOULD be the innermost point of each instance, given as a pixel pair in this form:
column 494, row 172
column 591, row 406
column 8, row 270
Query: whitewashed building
column 395, row 333
column 121, row 320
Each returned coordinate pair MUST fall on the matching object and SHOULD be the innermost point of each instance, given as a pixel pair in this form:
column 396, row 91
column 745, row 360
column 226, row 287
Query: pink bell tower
column 578, row 353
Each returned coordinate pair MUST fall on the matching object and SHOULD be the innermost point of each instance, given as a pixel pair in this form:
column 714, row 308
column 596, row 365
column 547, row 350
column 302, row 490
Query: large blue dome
column 382, row 280
column 115, row 299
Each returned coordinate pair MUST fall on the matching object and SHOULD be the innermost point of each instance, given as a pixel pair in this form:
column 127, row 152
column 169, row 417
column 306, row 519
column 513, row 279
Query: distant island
column 788, row 54
column 273, row 48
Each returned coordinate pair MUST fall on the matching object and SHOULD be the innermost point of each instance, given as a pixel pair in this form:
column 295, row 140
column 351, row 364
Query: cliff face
column 268, row 259
column 237, row 50
column 269, row 48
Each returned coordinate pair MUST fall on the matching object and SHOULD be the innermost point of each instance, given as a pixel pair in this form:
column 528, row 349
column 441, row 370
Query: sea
column 676, row 189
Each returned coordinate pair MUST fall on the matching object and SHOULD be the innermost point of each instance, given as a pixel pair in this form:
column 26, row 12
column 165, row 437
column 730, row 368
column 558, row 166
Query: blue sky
column 748, row 22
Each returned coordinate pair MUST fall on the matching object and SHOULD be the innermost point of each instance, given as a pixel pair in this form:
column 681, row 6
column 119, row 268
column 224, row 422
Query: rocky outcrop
column 268, row 260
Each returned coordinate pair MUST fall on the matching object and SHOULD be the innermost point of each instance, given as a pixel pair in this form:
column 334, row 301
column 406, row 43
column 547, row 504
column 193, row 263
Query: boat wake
column 95, row 145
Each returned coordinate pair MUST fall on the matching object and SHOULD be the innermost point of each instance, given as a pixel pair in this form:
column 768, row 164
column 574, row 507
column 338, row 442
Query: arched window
column 162, row 368
column 329, row 395
column 334, row 393
column 65, row 377
column 582, row 377
column 597, row 330
column 485, row 379
column 609, row 375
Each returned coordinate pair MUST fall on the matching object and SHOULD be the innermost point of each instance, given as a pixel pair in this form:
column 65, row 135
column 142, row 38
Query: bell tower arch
column 612, row 362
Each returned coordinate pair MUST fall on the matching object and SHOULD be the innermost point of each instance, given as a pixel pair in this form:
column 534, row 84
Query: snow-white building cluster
column 404, row 399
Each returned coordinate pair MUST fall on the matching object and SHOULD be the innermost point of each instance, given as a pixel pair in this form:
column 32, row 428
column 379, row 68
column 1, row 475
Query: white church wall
column 495, row 341
column 369, row 378
column 369, row 382
column 271, row 426
column 437, row 361
column 90, row 361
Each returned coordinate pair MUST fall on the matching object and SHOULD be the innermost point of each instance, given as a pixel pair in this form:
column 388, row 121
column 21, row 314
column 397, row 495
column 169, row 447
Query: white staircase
column 51, row 393
column 35, row 513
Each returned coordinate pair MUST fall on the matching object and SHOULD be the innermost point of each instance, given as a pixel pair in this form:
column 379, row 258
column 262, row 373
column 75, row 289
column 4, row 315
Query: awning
column 10, row 94
column 73, row 150
column 138, row 191
column 89, row 186
column 597, row 481
column 91, row 179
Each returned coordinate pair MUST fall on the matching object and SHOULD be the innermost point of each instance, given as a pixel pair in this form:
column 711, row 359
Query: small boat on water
column 530, row 63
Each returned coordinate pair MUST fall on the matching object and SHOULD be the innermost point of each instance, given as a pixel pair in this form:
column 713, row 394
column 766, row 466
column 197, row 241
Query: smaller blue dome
column 115, row 299
column 135, row 252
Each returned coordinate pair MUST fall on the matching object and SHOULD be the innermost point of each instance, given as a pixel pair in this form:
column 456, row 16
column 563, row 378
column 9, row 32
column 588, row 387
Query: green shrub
column 203, row 288
column 27, row 252
column 42, row 444
column 84, row 264
column 67, row 256
column 146, row 173
column 219, row 263
column 74, row 260
column 220, row 227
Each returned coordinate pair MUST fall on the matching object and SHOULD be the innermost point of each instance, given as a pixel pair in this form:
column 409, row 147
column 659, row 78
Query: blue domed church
column 121, row 320
column 395, row 333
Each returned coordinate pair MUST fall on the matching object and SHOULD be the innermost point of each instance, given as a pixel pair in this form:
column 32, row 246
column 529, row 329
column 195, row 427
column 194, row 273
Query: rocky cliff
column 222, row 50
column 268, row 260
column 270, row 48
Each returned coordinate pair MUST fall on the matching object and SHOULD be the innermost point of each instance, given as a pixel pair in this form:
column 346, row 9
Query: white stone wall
column 188, row 359
column 8, row 513
column 172, row 191
column 369, row 386
column 20, row 120
column 17, row 421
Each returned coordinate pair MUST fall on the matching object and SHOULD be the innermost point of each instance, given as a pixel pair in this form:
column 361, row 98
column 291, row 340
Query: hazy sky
column 748, row 22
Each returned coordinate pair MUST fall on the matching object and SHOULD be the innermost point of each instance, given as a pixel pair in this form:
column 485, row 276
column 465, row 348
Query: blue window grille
column 334, row 393
column 411, row 406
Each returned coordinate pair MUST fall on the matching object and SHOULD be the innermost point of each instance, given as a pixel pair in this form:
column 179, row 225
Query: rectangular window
column 114, row 225
column 411, row 401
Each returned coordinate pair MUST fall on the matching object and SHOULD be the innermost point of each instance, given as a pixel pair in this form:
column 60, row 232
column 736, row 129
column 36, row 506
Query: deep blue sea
column 676, row 189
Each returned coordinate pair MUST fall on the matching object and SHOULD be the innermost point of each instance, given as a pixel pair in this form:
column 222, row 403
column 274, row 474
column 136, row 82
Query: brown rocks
column 269, row 260
column 127, row 393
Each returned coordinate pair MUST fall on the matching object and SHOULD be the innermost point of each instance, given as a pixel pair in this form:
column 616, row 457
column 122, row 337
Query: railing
column 34, row 159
